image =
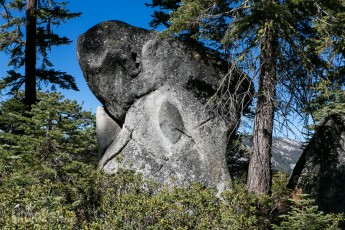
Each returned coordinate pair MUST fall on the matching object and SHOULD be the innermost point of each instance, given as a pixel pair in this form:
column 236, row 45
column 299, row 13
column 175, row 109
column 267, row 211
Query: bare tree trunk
column 30, row 54
column 259, row 173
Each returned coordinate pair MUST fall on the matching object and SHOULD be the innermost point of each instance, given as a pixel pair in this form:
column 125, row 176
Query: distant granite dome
column 285, row 153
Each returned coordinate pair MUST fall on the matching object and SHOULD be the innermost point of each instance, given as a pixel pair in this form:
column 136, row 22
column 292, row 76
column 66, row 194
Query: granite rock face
column 110, row 57
column 159, row 90
column 321, row 169
column 106, row 130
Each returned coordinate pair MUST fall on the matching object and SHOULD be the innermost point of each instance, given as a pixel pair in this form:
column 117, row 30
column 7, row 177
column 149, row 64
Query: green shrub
column 49, row 180
column 126, row 204
column 305, row 215
column 37, row 170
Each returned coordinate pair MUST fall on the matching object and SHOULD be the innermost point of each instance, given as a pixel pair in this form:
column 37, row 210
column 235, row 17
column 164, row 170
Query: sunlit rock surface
column 176, row 105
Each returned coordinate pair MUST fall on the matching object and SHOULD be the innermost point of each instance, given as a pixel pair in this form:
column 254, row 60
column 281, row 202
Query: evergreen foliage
column 311, row 36
column 27, row 36
column 38, row 166
column 329, row 99
column 161, row 16
column 49, row 180
column 279, row 43
column 52, row 126
column 48, row 173
column 305, row 215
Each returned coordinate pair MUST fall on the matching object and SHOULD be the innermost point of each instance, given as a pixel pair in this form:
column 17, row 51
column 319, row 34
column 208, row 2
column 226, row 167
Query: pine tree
column 161, row 16
column 259, row 172
column 43, row 178
column 329, row 88
column 273, row 42
column 54, row 126
column 305, row 215
column 329, row 99
column 37, row 18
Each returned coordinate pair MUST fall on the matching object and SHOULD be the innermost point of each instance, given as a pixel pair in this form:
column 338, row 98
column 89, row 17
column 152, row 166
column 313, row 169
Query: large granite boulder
column 321, row 169
column 159, row 90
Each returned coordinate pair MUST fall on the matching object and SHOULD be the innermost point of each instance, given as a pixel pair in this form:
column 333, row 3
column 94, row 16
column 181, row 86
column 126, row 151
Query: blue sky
column 64, row 58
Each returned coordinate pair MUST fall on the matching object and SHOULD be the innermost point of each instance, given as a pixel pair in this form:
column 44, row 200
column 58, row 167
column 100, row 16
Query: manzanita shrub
column 49, row 180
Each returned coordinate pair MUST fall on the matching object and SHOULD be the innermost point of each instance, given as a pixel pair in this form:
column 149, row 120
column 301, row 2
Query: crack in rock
column 184, row 133
column 116, row 147
column 204, row 122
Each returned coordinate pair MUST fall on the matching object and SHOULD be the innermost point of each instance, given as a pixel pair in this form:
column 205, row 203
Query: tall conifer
column 280, row 44
column 27, row 35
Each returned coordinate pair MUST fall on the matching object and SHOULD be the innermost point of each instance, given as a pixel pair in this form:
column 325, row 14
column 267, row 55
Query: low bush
column 49, row 180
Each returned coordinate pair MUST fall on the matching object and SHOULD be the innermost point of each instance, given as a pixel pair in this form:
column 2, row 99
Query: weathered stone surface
column 170, row 122
column 110, row 57
column 157, row 90
column 106, row 130
column 321, row 169
column 196, row 154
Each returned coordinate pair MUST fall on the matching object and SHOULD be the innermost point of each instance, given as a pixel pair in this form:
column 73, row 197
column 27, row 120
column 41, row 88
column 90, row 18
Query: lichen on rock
column 157, row 91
